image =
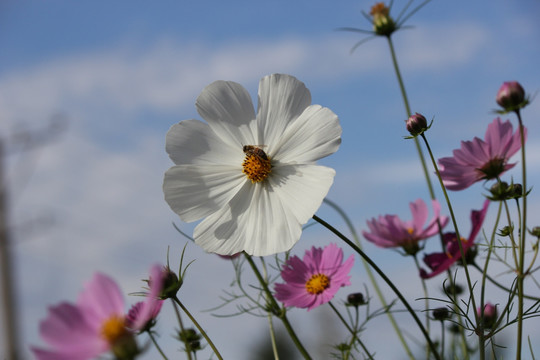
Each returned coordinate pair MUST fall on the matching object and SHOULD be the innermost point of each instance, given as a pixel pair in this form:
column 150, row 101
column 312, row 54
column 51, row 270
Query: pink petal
column 101, row 299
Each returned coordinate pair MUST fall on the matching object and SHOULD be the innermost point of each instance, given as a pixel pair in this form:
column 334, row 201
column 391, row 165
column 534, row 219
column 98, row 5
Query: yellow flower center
column 256, row 164
column 113, row 329
column 317, row 284
column 410, row 231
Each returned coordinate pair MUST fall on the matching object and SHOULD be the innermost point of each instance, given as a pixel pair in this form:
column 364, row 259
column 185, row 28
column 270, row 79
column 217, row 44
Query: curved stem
column 203, row 333
column 157, row 345
column 274, row 305
column 372, row 278
column 385, row 278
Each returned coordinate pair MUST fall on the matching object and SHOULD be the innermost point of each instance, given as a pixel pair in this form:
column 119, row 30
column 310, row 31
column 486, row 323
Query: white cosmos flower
column 252, row 177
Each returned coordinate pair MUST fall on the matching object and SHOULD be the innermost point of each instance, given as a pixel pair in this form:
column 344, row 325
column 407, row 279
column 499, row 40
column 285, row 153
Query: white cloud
column 170, row 74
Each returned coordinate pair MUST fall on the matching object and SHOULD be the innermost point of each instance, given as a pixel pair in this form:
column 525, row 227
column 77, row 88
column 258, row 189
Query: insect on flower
column 255, row 150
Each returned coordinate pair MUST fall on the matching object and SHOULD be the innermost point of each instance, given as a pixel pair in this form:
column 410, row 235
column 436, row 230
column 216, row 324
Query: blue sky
column 123, row 72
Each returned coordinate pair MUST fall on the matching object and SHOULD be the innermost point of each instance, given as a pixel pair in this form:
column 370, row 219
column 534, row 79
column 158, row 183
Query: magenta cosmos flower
column 390, row 231
column 314, row 280
column 441, row 261
column 142, row 315
column 88, row 328
column 481, row 159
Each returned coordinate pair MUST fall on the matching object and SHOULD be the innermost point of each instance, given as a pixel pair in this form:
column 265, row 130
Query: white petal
column 282, row 98
column 302, row 187
column 266, row 218
column 194, row 142
column 255, row 221
column 196, row 191
column 316, row 133
column 228, row 109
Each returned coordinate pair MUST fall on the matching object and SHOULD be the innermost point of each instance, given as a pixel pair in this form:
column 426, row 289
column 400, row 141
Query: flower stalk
column 386, row 279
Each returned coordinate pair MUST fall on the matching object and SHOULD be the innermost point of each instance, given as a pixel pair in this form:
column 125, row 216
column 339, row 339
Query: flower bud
column 416, row 124
column 506, row 231
column 171, row 284
column 355, row 299
column 535, row 231
column 383, row 24
column 511, row 96
column 125, row 348
column 516, row 191
column 500, row 191
column 441, row 314
column 191, row 339
column 490, row 315
column 454, row 289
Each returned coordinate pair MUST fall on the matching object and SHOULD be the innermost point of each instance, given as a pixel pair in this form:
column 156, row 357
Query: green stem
column 157, row 345
column 194, row 321
column 523, row 232
column 274, row 305
column 182, row 329
column 426, row 303
column 454, row 222
column 270, row 322
column 353, row 332
column 408, row 112
column 443, row 331
column 372, row 278
column 385, row 278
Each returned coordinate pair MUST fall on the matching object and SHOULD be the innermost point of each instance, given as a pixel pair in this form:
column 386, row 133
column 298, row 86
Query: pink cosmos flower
column 390, row 231
column 88, row 328
column 481, row 159
column 142, row 315
column 441, row 261
column 314, row 280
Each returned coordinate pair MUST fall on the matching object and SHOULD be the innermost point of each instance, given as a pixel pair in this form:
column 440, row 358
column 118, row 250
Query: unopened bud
column 490, row 315
column 511, row 96
column 355, row 299
column 441, row 314
column 416, row 124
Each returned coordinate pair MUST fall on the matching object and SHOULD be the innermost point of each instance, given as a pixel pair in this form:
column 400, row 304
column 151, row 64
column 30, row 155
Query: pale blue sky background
column 123, row 72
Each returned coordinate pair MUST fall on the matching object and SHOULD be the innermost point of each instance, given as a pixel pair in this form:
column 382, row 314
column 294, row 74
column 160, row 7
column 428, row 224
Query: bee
column 255, row 150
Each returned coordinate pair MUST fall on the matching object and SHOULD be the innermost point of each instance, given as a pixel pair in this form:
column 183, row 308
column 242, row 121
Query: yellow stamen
column 256, row 167
column 317, row 284
column 410, row 231
column 113, row 329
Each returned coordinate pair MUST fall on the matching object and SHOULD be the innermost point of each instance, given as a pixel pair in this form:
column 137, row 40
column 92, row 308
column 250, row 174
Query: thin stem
column 203, row 333
column 353, row 332
column 182, row 329
column 454, row 222
column 408, row 112
column 385, row 278
column 523, row 232
column 274, row 305
column 443, row 331
column 372, row 278
column 157, row 345
column 272, row 336
column 270, row 322
column 426, row 303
